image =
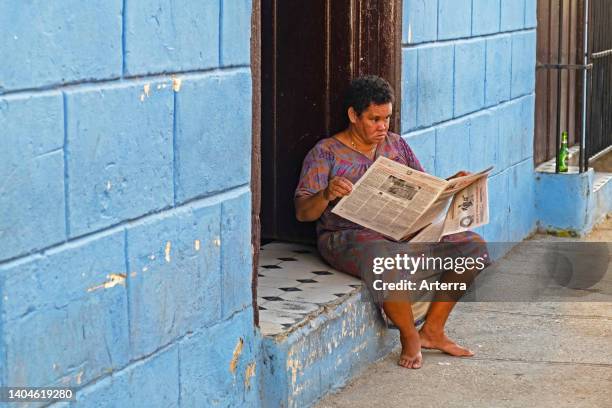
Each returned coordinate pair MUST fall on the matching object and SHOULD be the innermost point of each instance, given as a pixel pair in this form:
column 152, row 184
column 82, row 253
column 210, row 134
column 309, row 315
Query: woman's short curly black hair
column 365, row 90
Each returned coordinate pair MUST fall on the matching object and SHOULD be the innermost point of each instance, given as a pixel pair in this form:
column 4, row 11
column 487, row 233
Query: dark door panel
column 311, row 49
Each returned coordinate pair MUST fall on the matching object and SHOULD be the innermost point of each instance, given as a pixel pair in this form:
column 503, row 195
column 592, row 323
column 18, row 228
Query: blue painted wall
column 126, row 259
column 125, row 263
column 468, row 83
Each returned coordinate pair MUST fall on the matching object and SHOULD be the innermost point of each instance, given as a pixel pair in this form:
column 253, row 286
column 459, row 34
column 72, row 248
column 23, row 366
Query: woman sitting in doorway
column 328, row 173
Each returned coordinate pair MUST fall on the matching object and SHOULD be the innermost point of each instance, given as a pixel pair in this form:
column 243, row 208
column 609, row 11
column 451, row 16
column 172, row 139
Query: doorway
column 303, row 55
column 310, row 51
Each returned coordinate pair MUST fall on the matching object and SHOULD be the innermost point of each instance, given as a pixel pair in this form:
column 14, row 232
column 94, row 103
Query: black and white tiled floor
column 293, row 284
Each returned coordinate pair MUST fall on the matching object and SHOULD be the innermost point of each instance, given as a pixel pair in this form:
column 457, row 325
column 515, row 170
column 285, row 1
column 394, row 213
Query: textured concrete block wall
column 125, row 263
column 468, row 86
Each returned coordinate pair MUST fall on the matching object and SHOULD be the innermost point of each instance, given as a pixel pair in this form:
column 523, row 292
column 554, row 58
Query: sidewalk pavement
column 527, row 355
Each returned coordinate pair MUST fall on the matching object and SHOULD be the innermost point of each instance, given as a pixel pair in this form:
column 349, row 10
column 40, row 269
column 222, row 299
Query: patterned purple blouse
column 330, row 157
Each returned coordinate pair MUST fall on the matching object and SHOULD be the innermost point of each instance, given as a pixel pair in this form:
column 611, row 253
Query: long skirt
column 358, row 252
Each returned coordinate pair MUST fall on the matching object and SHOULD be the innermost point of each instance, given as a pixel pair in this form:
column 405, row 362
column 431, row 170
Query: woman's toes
column 443, row 343
column 456, row 350
column 403, row 361
column 411, row 362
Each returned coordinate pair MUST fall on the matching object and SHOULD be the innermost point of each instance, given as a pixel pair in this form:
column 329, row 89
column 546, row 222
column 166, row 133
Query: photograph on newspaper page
column 469, row 208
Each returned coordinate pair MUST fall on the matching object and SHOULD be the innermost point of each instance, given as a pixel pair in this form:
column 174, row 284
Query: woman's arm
column 310, row 208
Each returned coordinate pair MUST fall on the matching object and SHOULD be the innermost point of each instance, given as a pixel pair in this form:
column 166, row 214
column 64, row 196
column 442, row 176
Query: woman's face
column 373, row 123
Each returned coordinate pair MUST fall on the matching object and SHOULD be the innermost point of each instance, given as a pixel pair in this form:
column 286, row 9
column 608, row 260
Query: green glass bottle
column 563, row 154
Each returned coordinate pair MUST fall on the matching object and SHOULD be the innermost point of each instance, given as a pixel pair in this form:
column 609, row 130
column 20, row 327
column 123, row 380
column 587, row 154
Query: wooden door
column 310, row 50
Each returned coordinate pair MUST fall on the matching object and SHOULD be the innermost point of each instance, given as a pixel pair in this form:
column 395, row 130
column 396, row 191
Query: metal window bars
column 596, row 68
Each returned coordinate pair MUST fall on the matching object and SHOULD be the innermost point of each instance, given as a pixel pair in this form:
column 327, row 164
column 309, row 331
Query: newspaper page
column 435, row 230
column 390, row 197
column 469, row 208
column 435, row 211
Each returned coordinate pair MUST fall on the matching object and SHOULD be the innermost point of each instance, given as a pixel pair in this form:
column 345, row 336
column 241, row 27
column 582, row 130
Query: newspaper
column 406, row 204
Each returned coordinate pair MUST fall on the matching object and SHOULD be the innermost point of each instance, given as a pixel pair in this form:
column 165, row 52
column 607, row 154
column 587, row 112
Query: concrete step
column 600, row 179
column 319, row 327
column 601, row 204
column 572, row 203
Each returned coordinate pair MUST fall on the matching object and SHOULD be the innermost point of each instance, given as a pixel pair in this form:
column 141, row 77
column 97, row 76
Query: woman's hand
column 310, row 208
column 337, row 187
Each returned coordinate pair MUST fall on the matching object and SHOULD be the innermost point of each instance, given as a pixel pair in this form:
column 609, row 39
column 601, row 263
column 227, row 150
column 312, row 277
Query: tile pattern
column 294, row 284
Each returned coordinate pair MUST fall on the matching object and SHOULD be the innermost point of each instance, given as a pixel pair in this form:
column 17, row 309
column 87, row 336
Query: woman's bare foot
column 411, row 356
column 440, row 341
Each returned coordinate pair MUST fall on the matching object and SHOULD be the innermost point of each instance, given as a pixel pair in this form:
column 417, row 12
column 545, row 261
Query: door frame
column 255, row 148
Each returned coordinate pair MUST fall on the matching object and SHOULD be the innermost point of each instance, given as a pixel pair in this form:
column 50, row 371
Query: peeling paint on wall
column 236, row 355
column 147, row 89
column 248, row 374
column 114, row 279
column 196, row 244
column 176, row 84
column 167, row 251
column 293, row 365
